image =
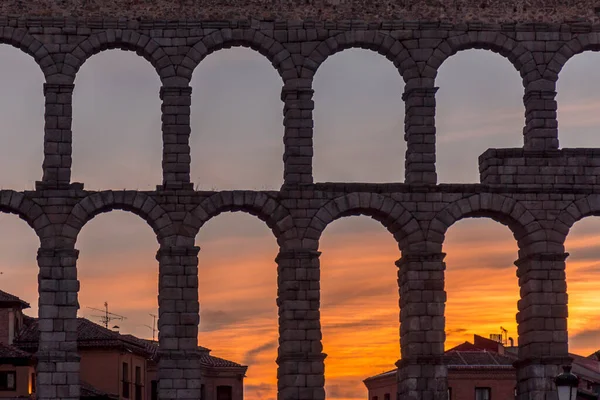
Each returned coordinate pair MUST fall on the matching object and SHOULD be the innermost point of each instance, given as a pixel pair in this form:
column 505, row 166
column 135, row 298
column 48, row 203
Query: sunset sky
column 236, row 144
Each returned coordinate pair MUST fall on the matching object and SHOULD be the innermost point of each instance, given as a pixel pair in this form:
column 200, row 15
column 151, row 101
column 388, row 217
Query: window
column 153, row 390
column 8, row 380
column 375, row 398
column 449, row 393
column 483, row 394
column 125, row 380
column 224, row 393
column 386, row 396
column 202, row 392
column 138, row 383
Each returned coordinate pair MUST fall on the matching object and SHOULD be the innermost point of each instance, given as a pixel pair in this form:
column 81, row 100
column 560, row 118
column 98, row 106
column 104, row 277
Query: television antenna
column 108, row 316
column 153, row 327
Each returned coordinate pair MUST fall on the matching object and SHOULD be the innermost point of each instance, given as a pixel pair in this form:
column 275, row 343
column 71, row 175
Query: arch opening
column 480, row 255
column 237, row 292
column 358, row 119
column 475, row 113
column 237, row 122
column 117, row 265
column 22, row 116
column 359, row 306
column 482, row 296
column 577, row 101
column 18, row 266
column 117, row 141
column 582, row 276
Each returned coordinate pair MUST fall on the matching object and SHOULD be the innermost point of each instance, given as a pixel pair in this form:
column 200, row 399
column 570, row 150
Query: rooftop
column 92, row 335
column 10, row 299
column 8, row 352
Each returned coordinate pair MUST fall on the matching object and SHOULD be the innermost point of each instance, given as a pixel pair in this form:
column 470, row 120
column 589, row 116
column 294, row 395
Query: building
column 17, row 371
column 112, row 366
column 483, row 370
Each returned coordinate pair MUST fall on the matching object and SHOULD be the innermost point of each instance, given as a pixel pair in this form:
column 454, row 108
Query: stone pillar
column 419, row 133
column 57, row 359
column 422, row 373
column 298, row 135
column 542, row 319
column 541, row 124
column 301, row 372
column 178, row 318
column 57, row 136
column 176, row 101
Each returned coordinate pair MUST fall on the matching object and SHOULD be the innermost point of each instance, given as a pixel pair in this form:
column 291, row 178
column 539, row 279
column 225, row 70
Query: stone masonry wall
column 417, row 212
column 412, row 10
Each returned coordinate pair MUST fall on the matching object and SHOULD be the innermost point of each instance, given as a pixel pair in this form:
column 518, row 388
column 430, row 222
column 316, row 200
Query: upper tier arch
column 581, row 43
column 267, row 208
column 386, row 45
column 521, row 58
column 124, row 40
column 274, row 51
column 22, row 40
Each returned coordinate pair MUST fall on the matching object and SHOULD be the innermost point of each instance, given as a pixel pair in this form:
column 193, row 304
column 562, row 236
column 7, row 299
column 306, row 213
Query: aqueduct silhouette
column 538, row 190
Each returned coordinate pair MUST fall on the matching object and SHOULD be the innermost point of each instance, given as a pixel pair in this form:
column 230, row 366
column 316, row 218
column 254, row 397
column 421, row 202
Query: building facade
column 112, row 365
column 484, row 370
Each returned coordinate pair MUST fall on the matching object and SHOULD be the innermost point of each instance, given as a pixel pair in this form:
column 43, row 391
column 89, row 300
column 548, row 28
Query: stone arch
column 579, row 44
column 505, row 210
column 390, row 213
column 383, row 44
column 267, row 208
column 21, row 39
column 575, row 211
column 16, row 203
column 133, row 201
column 274, row 51
column 521, row 58
column 126, row 39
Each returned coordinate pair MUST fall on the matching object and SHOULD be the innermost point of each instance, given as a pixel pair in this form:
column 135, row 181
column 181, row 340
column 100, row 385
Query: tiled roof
column 91, row 334
column 586, row 367
column 90, row 392
column 382, row 375
column 7, row 351
column 205, row 358
column 478, row 358
column 212, row 361
column 8, row 298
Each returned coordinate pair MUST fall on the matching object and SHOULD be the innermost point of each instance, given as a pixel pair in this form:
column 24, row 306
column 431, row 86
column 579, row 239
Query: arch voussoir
column 497, row 42
column 391, row 214
column 120, row 39
column 24, row 41
column 379, row 42
column 274, row 51
column 132, row 201
column 498, row 207
column 267, row 209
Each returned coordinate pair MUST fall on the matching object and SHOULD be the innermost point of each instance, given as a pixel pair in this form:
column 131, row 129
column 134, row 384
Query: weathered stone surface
column 538, row 191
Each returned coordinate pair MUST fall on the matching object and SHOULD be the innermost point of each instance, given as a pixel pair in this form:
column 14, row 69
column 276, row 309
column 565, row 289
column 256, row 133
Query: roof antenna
column 108, row 316
column 153, row 327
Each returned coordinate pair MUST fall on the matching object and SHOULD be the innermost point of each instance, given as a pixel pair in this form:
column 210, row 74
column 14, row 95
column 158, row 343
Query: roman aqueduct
column 539, row 190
